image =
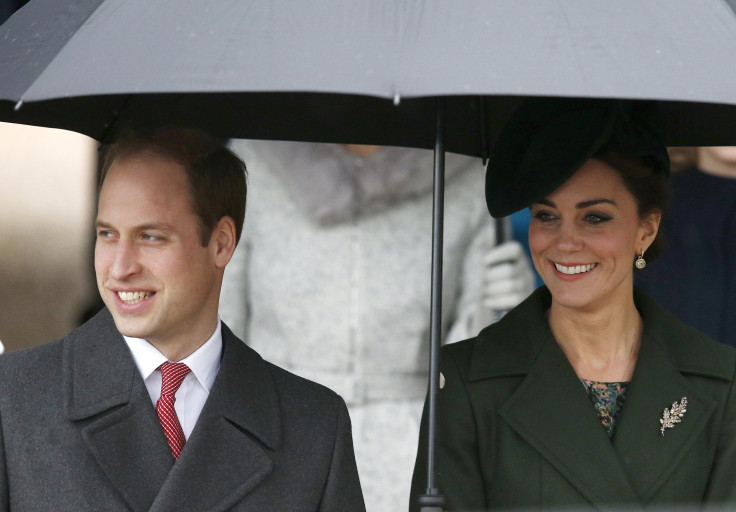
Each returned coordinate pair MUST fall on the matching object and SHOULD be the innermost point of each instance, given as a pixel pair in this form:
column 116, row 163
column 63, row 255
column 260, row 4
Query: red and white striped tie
column 172, row 375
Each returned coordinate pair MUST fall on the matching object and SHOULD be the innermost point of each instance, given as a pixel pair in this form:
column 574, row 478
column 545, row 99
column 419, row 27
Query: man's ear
column 223, row 241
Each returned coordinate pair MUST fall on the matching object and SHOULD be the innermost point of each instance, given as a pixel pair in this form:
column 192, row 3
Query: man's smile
column 134, row 297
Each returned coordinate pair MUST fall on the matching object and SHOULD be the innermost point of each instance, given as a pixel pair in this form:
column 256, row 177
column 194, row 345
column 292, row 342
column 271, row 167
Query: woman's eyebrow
column 547, row 202
column 580, row 205
column 592, row 202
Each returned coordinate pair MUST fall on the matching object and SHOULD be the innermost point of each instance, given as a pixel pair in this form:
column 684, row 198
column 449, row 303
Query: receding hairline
column 141, row 153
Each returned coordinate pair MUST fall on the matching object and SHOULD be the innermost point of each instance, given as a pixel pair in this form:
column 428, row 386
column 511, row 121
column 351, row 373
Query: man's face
column 153, row 274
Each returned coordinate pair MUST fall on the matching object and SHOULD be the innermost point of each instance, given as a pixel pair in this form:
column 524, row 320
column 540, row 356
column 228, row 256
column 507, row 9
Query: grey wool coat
column 517, row 430
column 78, row 432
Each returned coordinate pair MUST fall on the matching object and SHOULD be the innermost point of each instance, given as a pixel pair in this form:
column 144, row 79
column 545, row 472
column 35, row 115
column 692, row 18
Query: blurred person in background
column 332, row 281
column 696, row 276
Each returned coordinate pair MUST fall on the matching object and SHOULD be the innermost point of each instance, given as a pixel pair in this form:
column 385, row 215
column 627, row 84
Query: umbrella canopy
column 334, row 70
column 357, row 71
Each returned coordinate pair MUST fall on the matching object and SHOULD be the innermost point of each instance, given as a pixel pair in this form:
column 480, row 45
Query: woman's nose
column 569, row 238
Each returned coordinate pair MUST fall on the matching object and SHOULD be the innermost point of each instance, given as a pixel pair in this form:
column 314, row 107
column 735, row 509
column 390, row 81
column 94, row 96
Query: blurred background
column 47, row 189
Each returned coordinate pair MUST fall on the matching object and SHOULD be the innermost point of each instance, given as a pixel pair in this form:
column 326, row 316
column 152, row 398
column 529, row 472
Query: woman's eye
column 596, row 218
column 544, row 216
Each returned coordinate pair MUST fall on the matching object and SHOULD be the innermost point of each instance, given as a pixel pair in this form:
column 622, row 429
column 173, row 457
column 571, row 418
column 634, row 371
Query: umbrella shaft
column 436, row 305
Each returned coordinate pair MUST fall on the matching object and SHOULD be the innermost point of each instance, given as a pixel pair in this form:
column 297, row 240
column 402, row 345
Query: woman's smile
column 574, row 269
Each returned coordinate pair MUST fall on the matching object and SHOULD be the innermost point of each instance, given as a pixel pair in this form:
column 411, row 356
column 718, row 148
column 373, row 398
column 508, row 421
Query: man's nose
column 125, row 261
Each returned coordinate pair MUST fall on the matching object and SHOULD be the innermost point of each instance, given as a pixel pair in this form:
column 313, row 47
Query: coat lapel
column 649, row 457
column 550, row 409
column 542, row 409
column 227, row 455
column 106, row 396
column 552, row 412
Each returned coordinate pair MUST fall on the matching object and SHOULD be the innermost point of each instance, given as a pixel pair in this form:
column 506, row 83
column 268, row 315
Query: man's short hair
column 216, row 176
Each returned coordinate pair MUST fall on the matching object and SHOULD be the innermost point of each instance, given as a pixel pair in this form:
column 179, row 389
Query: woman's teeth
column 133, row 297
column 577, row 269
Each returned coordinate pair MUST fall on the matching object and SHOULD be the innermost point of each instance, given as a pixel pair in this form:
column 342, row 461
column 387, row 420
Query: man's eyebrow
column 160, row 226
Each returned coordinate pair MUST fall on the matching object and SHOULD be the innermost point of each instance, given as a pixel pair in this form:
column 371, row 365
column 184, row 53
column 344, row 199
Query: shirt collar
column 204, row 362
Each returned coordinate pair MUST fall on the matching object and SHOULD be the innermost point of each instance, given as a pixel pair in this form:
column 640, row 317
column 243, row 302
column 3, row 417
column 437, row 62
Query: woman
column 588, row 394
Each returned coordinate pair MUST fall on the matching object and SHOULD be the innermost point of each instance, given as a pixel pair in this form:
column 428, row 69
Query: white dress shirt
column 204, row 364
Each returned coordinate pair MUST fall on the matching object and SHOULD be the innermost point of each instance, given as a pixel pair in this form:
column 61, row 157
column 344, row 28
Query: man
column 105, row 419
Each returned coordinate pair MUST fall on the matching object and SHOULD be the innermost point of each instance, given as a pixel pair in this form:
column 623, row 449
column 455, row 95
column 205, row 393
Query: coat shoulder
column 35, row 364
column 458, row 355
column 508, row 347
column 696, row 352
column 691, row 350
column 294, row 392
column 294, row 387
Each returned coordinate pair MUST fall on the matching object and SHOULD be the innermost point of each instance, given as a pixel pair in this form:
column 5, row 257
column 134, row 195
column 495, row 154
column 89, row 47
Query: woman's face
column 585, row 235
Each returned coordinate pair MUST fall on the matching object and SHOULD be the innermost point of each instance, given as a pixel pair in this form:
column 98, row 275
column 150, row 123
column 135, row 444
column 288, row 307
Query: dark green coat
column 517, row 429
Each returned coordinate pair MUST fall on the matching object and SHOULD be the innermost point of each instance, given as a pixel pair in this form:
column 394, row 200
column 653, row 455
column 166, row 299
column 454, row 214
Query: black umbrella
column 443, row 75
column 355, row 71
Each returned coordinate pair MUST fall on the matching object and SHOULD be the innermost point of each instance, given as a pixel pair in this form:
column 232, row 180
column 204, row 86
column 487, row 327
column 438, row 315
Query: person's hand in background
column 507, row 277
column 507, row 280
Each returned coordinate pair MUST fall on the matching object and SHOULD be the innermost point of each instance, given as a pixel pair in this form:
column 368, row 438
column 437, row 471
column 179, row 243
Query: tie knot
column 172, row 375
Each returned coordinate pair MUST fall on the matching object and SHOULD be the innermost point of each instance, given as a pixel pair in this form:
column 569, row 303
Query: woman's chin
column 573, row 297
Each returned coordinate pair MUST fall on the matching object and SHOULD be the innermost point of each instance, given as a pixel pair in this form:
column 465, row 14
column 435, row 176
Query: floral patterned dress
column 607, row 398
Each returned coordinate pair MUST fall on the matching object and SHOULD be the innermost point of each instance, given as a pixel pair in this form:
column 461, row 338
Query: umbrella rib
column 67, row 10
column 108, row 127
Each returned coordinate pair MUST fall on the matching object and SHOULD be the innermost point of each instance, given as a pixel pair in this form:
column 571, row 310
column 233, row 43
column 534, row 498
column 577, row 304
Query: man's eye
column 150, row 238
column 102, row 233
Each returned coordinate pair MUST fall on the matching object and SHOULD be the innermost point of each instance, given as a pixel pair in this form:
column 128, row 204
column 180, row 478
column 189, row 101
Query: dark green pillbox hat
column 548, row 139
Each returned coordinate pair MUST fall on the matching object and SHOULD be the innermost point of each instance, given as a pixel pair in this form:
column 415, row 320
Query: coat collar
column 688, row 350
column 239, row 424
column 632, row 468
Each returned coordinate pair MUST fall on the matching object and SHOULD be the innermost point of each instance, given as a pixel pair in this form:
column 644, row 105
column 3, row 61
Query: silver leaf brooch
column 674, row 415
